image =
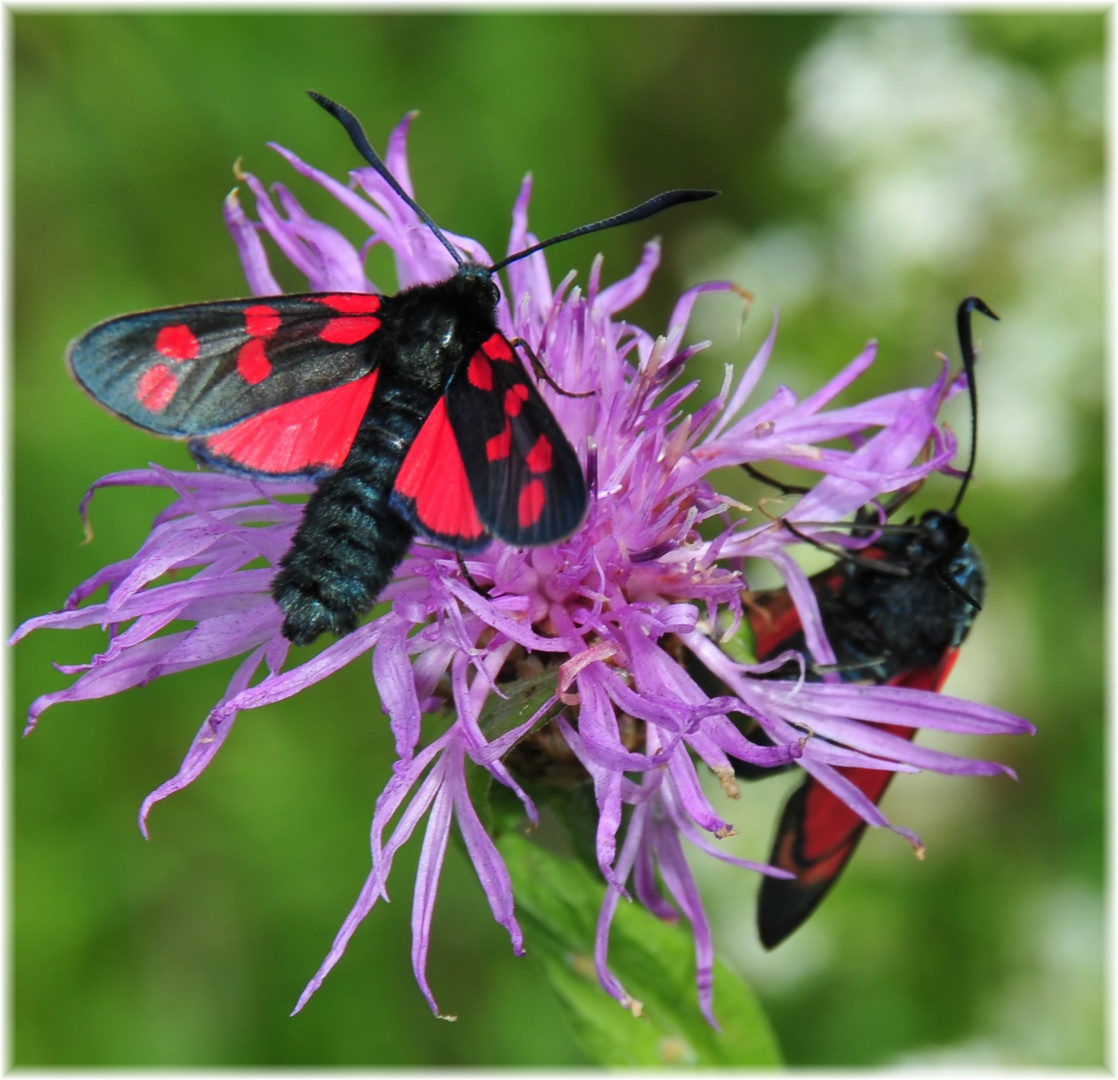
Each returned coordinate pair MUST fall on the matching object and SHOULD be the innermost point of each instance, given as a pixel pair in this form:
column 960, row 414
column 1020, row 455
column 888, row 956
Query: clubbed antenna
column 664, row 201
column 365, row 149
column 966, row 347
column 646, row 209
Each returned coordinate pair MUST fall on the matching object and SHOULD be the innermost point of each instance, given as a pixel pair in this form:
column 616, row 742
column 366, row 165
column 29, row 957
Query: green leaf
column 498, row 808
column 740, row 647
column 557, row 904
column 522, row 698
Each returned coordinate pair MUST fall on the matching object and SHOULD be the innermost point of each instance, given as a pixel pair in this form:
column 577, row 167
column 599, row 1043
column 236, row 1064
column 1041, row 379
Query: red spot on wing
column 352, row 303
column 497, row 448
column 532, row 498
column 434, row 476
column 261, row 321
column 309, row 433
column 539, row 457
column 515, row 398
column 497, row 348
column 349, row 329
column 156, row 387
column 177, row 343
column 480, row 372
column 253, row 363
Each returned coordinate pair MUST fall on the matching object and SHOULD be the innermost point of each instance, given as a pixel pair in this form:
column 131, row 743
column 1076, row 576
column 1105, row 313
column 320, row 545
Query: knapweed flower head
column 558, row 659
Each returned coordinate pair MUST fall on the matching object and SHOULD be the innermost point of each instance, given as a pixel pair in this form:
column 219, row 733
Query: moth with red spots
column 895, row 614
column 885, row 629
column 413, row 412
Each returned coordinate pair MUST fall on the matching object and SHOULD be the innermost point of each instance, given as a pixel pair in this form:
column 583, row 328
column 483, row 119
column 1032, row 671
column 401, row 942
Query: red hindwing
column 431, row 488
column 818, row 833
column 308, row 435
column 274, row 385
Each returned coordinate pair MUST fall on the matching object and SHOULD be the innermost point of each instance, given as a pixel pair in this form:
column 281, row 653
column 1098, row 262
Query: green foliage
column 558, row 902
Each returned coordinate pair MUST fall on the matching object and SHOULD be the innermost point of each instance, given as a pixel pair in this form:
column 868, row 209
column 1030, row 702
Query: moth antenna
column 664, row 201
column 365, row 149
column 952, row 586
column 966, row 347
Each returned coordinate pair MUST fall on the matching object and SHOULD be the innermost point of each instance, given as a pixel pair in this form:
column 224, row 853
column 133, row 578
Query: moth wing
column 273, row 385
column 526, row 480
column 431, row 489
column 818, row 833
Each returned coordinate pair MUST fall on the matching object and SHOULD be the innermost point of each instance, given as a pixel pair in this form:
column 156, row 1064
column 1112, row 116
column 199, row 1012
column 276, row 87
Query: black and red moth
column 413, row 411
column 895, row 616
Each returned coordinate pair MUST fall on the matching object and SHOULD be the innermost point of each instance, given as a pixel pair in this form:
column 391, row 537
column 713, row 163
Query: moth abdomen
column 351, row 540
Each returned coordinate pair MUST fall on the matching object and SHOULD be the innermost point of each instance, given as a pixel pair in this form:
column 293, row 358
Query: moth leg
column 541, row 371
column 887, row 510
column 468, row 576
column 902, row 496
column 784, row 489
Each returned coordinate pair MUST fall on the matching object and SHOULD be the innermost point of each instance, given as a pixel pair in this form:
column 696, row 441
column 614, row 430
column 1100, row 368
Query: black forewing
column 198, row 368
column 525, row 478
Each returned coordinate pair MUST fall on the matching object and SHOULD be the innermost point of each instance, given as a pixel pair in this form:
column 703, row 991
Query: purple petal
column 691, row 796
column 490, row 867
column 681, row 313
column 337, row 263
column 395, row 681
column 396, row 155
column 680, row 882
column 426, row 888
column 206, row 743
column 250, row 248
column 748, row 382
column 626, row 292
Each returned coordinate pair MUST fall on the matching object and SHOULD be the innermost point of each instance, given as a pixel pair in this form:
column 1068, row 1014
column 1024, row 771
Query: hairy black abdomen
column 351, row 540
column 341, row 559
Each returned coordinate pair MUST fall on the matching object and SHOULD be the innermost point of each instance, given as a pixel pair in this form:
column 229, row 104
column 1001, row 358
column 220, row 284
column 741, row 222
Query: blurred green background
column 875, row 169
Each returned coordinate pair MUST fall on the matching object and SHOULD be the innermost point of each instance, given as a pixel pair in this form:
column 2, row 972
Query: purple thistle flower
column 603, row 613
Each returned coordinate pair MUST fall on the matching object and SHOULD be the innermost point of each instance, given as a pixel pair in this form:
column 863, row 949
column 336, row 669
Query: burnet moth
column 895, row 615
column 414, row 413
